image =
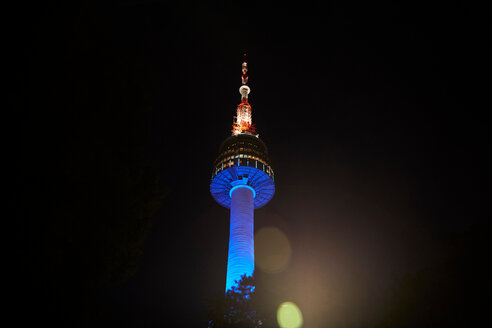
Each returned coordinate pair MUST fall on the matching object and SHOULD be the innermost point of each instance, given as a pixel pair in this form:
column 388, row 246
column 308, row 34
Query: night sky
column 374, row 117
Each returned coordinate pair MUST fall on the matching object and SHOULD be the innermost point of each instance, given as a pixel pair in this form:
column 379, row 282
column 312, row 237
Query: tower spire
column 245, row 71
column 243, row 120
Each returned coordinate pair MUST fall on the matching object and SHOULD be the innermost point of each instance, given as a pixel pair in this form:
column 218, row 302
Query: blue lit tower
column 242, row 180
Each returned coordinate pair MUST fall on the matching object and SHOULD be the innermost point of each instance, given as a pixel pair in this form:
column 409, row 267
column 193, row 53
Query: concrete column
column 241, row 259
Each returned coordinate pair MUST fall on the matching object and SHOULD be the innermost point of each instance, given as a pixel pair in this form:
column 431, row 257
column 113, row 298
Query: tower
column 242, row 180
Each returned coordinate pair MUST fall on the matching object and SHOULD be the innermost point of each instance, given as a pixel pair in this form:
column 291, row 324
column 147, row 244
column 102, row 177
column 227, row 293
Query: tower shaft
column 241, row 257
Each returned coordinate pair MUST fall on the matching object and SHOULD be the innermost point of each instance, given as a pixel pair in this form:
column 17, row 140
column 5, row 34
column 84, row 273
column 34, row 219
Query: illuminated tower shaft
column 241, row 258
column 243, row 181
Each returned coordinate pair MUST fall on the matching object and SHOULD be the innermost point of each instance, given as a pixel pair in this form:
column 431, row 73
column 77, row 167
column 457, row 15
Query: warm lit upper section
column 243, row 122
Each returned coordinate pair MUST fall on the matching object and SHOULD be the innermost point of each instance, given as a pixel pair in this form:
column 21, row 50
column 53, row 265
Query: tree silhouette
column 238, row 308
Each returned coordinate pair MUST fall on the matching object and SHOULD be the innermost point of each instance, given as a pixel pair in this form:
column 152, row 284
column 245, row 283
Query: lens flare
column 289, row 316
column 272, row 250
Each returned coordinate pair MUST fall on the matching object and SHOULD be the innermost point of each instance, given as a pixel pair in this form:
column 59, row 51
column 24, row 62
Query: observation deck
column 242, row 160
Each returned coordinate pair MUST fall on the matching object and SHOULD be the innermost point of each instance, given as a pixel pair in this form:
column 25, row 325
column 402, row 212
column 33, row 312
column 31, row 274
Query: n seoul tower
column 242, row 180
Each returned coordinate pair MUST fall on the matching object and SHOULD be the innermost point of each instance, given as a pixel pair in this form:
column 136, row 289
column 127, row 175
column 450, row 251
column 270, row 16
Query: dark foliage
column 238, row 308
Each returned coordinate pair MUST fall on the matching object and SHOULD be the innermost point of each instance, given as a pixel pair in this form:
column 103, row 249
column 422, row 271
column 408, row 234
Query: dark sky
column 374, row 116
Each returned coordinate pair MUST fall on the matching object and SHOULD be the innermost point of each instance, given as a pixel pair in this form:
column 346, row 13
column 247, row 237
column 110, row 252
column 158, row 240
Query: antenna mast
column 243, row 119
